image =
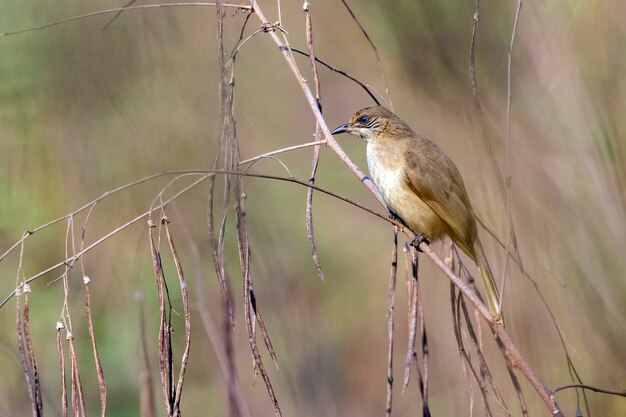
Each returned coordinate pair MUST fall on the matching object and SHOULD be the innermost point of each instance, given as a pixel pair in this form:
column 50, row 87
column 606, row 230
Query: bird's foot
column 393, row 215
column 418, row 240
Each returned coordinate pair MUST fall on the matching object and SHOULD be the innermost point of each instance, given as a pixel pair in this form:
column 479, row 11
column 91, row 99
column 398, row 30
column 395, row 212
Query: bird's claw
column 418, row 240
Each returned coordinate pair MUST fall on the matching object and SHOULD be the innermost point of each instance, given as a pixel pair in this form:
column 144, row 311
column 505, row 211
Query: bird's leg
column 418, row 240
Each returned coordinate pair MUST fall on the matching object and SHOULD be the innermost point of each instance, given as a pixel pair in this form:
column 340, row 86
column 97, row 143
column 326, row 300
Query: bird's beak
column 341, row 129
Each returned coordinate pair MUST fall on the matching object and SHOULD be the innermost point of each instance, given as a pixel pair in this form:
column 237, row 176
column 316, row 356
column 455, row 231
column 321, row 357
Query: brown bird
column 421, row 185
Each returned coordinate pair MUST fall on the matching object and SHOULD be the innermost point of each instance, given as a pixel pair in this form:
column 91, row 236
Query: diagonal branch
column 467, row 292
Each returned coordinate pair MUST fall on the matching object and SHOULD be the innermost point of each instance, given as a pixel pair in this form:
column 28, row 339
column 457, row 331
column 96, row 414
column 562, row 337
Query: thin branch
column 118, row 14
column 378, row 60
column 31, row 232
column 621, row 393
column 121, row 9
column 91, row 204
column 124, row 226
column 341, row 72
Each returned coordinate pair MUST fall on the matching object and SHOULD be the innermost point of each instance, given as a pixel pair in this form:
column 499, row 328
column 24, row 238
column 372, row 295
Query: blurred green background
column 83, row 110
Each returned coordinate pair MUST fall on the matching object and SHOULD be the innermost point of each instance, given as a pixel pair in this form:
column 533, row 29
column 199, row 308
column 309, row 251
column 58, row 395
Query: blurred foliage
column 83, row 110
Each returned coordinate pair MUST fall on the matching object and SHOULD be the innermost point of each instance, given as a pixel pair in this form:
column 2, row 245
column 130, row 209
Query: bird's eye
column 364, row 119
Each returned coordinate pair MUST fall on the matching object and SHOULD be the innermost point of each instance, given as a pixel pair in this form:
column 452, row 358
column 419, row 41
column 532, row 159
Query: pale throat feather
column 386, row 173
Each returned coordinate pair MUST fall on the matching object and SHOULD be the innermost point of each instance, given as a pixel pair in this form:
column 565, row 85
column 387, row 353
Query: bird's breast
column 388, row 171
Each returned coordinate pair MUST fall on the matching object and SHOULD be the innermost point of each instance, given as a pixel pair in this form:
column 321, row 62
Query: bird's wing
column 436, row 180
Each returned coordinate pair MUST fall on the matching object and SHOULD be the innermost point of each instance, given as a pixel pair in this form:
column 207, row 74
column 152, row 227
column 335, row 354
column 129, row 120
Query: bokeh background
column 83, row 110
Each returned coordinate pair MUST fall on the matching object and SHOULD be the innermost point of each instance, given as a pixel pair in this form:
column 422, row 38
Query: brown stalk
column 316, row 149
column 164, row 330
column 64, row 405
column 73, row 383
column 244, row 256
column 27, row 356
column 514, row 380
column 264, row 333
column 96, row 357
column 78, row 396
column 187, row 314
column 412, row 322
column 391, row 302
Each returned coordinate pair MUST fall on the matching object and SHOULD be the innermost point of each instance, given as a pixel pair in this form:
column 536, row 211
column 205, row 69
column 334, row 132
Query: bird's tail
column 493, row 296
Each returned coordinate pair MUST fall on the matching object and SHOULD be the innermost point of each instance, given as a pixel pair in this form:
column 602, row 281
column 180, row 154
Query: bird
column 421, row 186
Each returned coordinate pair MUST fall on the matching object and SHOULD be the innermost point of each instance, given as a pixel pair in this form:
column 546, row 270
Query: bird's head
column 367, row 122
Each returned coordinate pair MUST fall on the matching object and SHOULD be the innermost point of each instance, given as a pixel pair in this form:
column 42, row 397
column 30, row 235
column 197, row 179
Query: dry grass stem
column 391, row 303
column 61, row 354
column 96, row 356
column 316, row 150
column 187, row 316
column 165, row 353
